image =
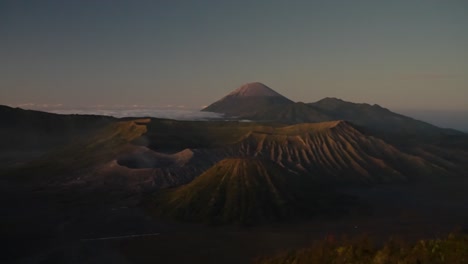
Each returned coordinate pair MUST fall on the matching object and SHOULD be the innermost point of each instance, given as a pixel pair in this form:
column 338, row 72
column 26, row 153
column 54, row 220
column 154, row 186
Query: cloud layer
column 177, row 114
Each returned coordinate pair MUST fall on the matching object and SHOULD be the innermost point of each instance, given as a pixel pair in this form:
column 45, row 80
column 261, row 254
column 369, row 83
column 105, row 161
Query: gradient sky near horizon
column 400, row 54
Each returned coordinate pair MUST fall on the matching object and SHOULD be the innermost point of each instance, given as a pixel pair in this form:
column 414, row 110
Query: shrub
column 453, row 250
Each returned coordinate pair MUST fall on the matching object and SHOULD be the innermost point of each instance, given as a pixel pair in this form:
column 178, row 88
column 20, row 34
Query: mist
column 442, row 118
column 176, row 114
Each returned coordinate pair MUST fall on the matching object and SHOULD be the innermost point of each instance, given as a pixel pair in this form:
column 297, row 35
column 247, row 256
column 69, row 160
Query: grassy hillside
column 245, row 191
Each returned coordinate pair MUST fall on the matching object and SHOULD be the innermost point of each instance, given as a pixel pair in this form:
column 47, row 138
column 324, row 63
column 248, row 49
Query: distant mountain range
column 255, row 101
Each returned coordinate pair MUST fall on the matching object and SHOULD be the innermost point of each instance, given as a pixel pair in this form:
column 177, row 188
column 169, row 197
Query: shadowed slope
column 79, row 158
column 240, row 190
column 290, row 113
column 28, row 134
column 29, row 129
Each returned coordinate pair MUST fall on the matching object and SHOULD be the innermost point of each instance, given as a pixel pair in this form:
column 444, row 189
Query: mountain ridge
column 373, row 117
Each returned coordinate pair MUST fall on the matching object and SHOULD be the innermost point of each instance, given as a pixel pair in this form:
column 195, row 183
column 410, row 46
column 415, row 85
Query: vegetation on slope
column 453, row 249
column 245, row 191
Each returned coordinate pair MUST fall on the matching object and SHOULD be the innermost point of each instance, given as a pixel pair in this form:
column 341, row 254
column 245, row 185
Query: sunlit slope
column 248, row 99
column 242, row 190
column 336, row 151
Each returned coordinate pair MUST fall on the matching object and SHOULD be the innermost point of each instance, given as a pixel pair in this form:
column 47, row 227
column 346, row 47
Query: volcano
column 248, row 99
column 244, row 191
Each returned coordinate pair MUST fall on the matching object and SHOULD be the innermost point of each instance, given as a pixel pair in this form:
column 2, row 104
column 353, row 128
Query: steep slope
column 336, row 151
column 248, row 99
column 254, row 89
column 242, row 190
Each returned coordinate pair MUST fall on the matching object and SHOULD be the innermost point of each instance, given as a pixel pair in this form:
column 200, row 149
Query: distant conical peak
column 254, row 89
column 249, row 98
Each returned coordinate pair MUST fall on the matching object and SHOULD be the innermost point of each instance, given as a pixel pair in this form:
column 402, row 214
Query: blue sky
column 399, row 54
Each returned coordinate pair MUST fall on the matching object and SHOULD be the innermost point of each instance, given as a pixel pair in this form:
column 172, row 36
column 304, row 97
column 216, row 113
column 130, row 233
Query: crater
column 146, row 158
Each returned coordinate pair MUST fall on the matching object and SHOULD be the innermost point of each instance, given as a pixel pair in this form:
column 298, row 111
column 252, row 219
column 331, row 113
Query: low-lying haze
column 158, row 112
column 446, row 119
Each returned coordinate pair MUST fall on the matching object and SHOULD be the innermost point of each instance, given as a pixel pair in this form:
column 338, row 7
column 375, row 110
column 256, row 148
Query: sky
column 404, row 55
